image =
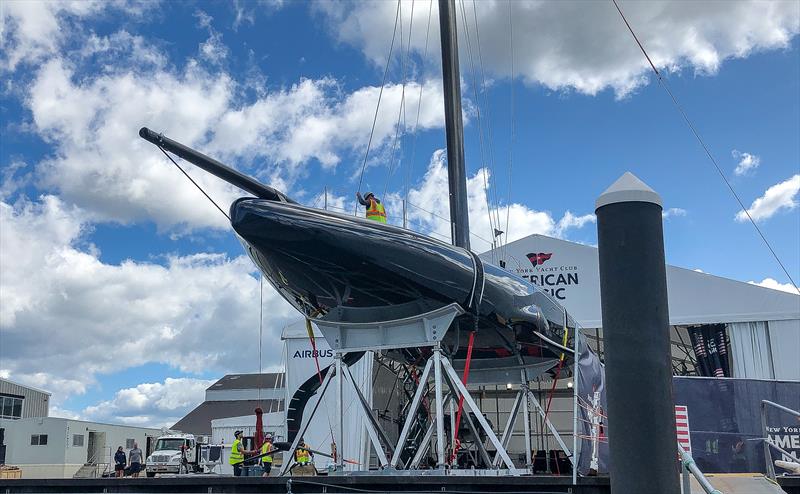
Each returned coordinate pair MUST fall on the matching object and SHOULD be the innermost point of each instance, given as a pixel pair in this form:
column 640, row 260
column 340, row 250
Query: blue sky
column 114, row 265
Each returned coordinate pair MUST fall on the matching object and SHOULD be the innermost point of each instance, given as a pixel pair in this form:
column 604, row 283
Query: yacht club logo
column 539, row 258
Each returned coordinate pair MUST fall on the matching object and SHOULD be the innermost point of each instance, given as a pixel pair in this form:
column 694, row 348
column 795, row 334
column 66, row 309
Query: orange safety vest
column 375, row 211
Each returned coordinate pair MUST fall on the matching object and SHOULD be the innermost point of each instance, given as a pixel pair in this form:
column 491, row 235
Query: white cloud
column 100, row 163
column 32, row 30
column 158, row 404
column 88, row 317
column 583, row 46
column 673, row 212
column 747, row 162
column 781, row 196
column 429, row 210
column 213, row 49
column 775, row 285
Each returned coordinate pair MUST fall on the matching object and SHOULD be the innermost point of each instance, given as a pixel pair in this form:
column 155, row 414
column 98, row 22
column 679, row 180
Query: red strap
column 465, row 379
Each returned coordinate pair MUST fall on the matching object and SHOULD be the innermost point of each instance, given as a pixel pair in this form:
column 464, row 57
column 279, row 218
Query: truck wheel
column 150, row 475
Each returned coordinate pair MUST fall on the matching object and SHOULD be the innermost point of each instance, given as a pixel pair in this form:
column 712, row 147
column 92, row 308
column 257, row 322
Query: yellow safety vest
column 236, row 452
column 266, row 448
column 302, row 456
column 375, row 211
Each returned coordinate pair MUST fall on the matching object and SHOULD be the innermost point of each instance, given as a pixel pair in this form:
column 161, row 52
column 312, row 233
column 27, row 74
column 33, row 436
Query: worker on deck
column 375, row 209
column 303, row 455
column 266, row 461
column 236, row 458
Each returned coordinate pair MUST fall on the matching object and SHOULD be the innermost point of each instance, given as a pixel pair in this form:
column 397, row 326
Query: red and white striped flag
column 682, row 425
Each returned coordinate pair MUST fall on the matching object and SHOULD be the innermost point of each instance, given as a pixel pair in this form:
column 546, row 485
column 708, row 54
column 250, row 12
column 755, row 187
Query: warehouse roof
column 198, row 421
column 249, row 381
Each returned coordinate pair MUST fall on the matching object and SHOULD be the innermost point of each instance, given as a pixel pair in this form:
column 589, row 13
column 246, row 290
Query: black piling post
column 633, row 291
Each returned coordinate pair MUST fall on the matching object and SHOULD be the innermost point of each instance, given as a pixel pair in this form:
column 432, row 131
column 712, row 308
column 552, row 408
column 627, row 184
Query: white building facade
column 763, row 324
column 49, row 447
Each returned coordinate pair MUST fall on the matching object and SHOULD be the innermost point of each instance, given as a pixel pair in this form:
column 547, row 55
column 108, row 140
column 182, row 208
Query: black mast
column 456, row 173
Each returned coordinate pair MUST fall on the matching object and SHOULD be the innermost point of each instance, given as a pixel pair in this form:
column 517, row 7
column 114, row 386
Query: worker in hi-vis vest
column 266, row 461
column 302, row 455
column 375, row 209
column 236, row 458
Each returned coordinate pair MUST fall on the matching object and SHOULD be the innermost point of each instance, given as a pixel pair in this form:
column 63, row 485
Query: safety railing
column 767, row 442
column 689, row 466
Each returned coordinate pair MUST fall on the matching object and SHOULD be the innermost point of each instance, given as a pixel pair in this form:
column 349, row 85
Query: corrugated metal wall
column 36, row 403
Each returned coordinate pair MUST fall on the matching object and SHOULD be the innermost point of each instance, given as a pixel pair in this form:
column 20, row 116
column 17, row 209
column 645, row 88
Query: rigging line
column 513, row 130
column 419, row 106
column 402, row 112
column 689, row 124
column 447, row 220
column 378, row 106
column 480, row 125
column 316, row 201
column 195, row 183
column 490, row 138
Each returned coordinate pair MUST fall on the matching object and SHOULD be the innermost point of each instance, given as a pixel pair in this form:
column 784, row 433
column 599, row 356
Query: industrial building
column 21, row 402
column 49, row 447
column 762, row 326
column 235, row 395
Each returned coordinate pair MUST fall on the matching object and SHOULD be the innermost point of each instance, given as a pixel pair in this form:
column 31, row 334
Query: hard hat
column 366, row 196
column 236, row 433
column 268, row 436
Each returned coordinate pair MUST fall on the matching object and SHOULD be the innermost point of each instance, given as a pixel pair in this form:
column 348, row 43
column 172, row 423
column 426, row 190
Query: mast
column 454, row 126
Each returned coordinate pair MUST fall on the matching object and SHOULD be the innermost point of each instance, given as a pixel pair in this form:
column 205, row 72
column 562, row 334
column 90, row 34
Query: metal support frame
column 462, row 391
column 575, row 379
column 412, row 411
column 437, row 377
column 550, row 426
column 425, row 443
column 339, row 412
column 426, row 329
column 508, row 431
column 526, row 413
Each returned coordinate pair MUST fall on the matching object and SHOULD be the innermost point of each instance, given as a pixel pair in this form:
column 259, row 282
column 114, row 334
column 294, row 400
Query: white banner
column 300, row 365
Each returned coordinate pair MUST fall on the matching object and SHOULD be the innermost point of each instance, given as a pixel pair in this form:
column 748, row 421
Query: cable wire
column 664, row 84
column 401, row 113
column 513, row 130
column 490, row 136
column 195, row 183
column 480, row 124
column 378, row 106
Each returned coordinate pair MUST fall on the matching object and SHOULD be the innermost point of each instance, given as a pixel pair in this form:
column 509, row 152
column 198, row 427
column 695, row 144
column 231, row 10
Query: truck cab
column 167, row 456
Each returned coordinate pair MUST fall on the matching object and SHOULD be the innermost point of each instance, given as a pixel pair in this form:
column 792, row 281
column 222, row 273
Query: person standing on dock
column 236, row 458
column 135, row 457
column 119, row 462
column 303, row 455
column 266, row 461
column 375, row 210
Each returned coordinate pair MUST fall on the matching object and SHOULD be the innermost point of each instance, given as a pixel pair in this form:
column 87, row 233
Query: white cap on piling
column 628, row 188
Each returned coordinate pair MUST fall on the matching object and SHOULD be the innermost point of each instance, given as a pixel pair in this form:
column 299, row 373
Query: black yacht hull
column 348, row 269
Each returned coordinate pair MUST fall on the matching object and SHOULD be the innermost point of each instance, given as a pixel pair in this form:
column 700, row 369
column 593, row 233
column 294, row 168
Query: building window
column 77, row 440
column 38, row 439
column 129, row 443
column 10, row 407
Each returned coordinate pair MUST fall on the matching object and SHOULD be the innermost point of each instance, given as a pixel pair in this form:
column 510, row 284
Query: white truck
column 174, row 453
